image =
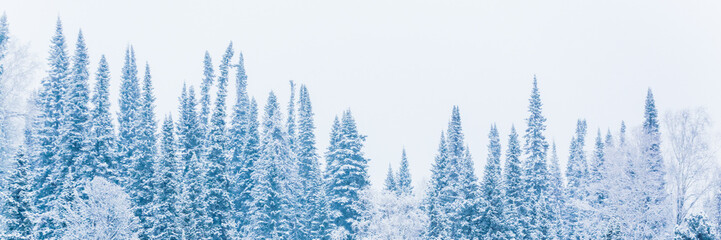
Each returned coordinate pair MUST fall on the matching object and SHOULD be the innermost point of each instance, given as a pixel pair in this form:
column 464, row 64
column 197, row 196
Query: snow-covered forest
column 226, row 168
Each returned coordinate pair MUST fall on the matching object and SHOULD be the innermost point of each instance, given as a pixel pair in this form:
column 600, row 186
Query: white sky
column 401, row 65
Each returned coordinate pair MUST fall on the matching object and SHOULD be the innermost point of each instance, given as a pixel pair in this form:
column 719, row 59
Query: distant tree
column 390, row 183
column 513, row 188
column 403, row 181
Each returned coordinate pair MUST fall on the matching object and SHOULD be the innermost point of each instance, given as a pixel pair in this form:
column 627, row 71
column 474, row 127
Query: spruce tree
column 577, row 175
column 102, row 135
column 535, row 209
column 463, row 207
column 597, row 172
column 348, row 177
column 275, row 176
column 204, row 116
column 193, row 215
column 166, row 213
column 655, row 195
column 141, row 185
column 437, row 219
column 309, row 171
column 75, row 122
column 390, row 183
column 244, row 148
column 129, row 116
column 219, row 209
column 403, row 181
column 5, row 125
column 514, row 191
column 492, row 226
column 291, row 123
column 49, row 181
column 17, row 206
column 558, row 199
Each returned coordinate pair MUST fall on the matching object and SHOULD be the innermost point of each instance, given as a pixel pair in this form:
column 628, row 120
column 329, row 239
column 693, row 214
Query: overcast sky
column 400, row 66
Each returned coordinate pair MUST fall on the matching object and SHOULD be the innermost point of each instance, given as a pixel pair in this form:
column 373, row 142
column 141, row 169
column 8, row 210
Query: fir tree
column 219, row 209
column 536, row 177
column 275, row 175
column 141, row 172
column 312, row 200
column 597, row 171
column 513, row 188
column 577, row 175
column 492, row 226
column 290, row 123
column 75, row 122
column 193, row 215
column 348, row 176
column 403, row 181
column 129, row 116
column 203, row 117
column 390, row 183
column 102, row 135
column 244, row 144
column 17, row 206
column 437, row 219
column 558, row 199
column 462, row 207
column 49, row 181
column 166, row 214
column 655, row 194
column 5, row 113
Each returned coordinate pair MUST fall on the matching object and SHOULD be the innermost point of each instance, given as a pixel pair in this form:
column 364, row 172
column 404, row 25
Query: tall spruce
column 141, row 171
column 655, row 194
column 437, row 219
column 102, row 133
column 390, row 182
column 18, row 211
column 558, row 199
column 291, row 127
column 49, row 181
column 309, row 171
column 218, row 198
column 275, row 177
column 244, row 147
column 577, row 175
column 513, row 185
column 193, row 214
column 206, row 85
column 492, row 220
column 403, row 180
column 535, row 209
column 462, row 206
column 129, row 116
column 167, row 221
column 348, row 176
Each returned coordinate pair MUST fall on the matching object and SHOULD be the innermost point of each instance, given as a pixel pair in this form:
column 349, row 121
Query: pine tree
column 577, row 175
column 141, row 185
column 403, row 181
column 208, row 77
column 536, row 177
column 655, row 195
column 513, row 188
column 244, row 143
column 129, row 116
column 437, row 219
column 558, row 199
column 17, row 206
column 309, row 171
column 390, row 183
column 492, row 226
column 48, row 181
column 166, row 214
column 193, row 215
column 219, row 209
column 102, row 135
column 348, row 176
column 275, row 175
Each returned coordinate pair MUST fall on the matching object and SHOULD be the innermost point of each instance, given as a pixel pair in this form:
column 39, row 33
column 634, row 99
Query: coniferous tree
column 193, row 215
column 348, row 176
column 49, row 180
column 513, row 188
column 558, row 199
column 167, row 221
column 577, row 175
column 313, row 198
column 492, row 226
column 244, row 144
column 129, row 116
column 5, row 127
column 597, row 169
column 655, row 195
column 390, row 183
column 18, row 207
column 102, row 135
column 141, row 170
column 462, row 187
column 437, row 219
column 219, row 209
column 75, row 122
column 535, row 210
column 275, row 176
column 290, row 123
column 204, row 116
column 403, row 181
